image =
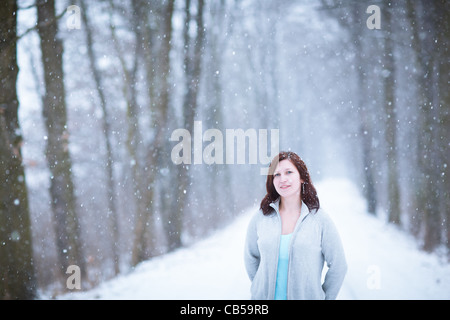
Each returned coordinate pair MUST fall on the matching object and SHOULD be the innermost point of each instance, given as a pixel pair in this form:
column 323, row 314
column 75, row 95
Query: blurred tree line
column 108, row 81
column 411, row 45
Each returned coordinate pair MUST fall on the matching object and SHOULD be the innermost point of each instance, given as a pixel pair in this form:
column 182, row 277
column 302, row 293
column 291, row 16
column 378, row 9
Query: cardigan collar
column 276, row 206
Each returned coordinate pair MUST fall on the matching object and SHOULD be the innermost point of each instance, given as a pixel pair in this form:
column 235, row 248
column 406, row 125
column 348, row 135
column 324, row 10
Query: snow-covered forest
column 132, row 128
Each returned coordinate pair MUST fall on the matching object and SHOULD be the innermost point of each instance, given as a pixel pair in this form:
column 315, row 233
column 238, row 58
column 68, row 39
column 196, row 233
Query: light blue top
column 282, row 269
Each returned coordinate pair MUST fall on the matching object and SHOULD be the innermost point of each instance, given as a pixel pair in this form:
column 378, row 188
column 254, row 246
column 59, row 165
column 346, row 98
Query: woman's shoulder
column 259, row 217
column 259, row 214
column 322, row 217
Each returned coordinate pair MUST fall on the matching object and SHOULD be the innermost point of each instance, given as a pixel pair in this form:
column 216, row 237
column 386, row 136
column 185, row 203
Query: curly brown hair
column 308, row 193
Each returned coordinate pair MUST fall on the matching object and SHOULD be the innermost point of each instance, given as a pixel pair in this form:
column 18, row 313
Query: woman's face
column 286, row 179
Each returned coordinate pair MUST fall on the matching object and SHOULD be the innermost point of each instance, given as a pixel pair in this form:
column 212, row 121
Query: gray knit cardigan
column 315, row 240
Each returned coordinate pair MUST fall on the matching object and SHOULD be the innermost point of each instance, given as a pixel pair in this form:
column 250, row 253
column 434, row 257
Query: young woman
column 289, row 239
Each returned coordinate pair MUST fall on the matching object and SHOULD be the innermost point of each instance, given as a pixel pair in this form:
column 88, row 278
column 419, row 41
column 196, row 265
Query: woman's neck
column 291, row 205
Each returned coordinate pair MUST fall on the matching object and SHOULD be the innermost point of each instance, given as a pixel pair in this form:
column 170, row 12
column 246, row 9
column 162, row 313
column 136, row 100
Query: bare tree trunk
column 391, row 118
column 68, row 238
column 110, row 190
column 192, row 64
column 428, row 169
column 221, row 199
column 438, row 97
column 444, row 117
column 156, row 53
column 416, row 216
column 144, row 243
column 172, row 221
column 134, row 137
column 365, row 131
column 17, row 275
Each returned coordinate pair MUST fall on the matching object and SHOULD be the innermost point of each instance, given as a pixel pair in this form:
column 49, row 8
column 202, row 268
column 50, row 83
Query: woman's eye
column 276, row 175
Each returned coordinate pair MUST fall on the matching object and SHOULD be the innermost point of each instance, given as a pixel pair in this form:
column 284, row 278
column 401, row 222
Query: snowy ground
column 384, row 263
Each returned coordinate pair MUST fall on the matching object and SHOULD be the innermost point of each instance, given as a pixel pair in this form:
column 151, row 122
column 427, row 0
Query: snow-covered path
column 213, row 268
column 384, row 263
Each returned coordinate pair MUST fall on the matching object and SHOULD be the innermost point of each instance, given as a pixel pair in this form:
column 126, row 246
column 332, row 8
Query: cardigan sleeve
column 333, row 253
column 251, row 251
